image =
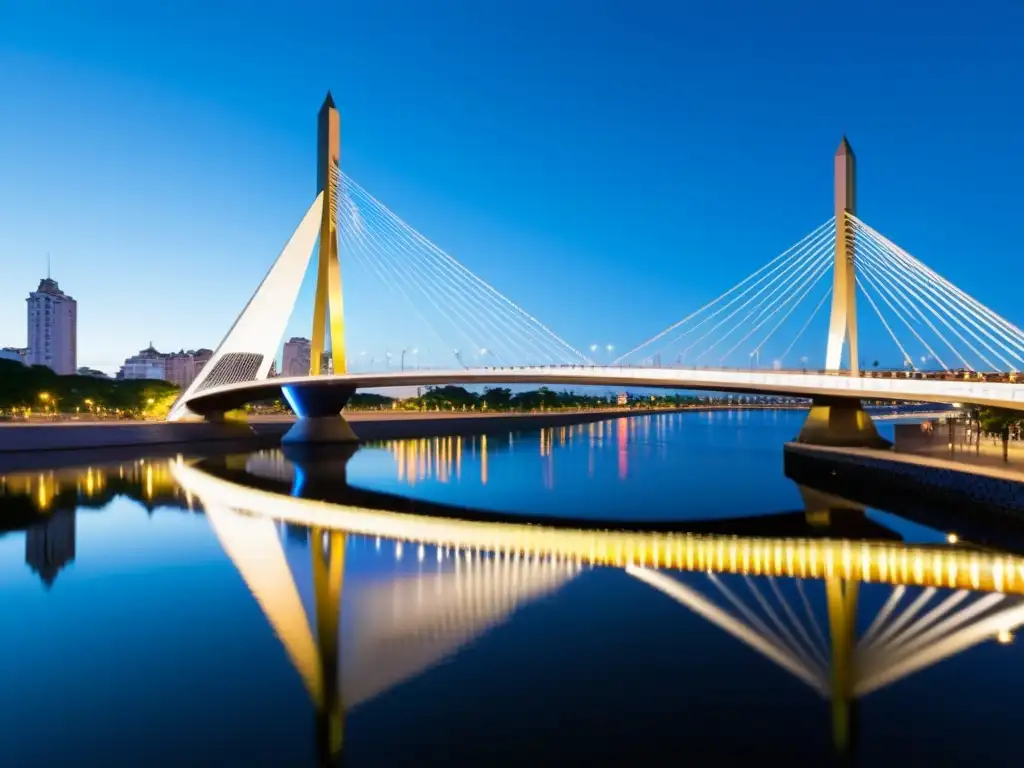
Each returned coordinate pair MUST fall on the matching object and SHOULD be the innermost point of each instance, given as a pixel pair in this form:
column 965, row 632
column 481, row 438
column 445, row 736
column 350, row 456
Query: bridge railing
column 1010, row 377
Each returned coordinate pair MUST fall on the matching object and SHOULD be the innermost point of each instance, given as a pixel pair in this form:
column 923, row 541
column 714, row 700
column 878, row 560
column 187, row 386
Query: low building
column 83, row 371
column 179, row 368
column 17, row 354
column 147, row 364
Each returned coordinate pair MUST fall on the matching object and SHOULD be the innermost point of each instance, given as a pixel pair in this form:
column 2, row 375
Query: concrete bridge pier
column 317, row 408
column 840, row 422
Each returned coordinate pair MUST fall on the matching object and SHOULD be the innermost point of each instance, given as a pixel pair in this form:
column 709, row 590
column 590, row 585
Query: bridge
column 952, row 347
column 761, row 591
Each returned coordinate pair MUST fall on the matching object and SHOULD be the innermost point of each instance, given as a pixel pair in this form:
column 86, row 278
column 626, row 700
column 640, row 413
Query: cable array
column 467, row 319
column 947, row 328
column 763, row 314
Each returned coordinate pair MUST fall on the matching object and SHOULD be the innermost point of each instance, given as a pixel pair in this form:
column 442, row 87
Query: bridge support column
column 317, row 410
column 320, row 470
column 840, row 422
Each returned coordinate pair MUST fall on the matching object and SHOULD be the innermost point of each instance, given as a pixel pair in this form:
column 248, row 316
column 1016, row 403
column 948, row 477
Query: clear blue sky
column 608, row 165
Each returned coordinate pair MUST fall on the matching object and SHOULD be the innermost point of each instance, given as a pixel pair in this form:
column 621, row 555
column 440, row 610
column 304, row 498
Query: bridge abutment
column 318, row 416
column 840, row 422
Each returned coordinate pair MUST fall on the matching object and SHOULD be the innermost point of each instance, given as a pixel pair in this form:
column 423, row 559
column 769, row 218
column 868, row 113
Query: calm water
column 166, row 612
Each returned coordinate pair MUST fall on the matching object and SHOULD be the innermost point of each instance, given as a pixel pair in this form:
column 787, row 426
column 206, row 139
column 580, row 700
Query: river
column 328, row 608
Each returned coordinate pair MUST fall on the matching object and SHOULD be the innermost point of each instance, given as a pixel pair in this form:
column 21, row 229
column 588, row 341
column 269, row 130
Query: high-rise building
column 52, row 328
column 200, row 357
column 51, row 545
column 295, row 360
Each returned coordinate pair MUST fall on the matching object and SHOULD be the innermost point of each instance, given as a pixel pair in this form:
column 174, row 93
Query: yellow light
column 44, row 396
column 952, row 538
column 1004, row 636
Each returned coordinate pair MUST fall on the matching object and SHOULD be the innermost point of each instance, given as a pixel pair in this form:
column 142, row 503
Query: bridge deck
column 784, row 383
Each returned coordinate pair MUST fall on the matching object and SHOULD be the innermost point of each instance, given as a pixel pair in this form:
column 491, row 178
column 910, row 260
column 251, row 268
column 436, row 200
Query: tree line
column 36, row 389
column 454, row 398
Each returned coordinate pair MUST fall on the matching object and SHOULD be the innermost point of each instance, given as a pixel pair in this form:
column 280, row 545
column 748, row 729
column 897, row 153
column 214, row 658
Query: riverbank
column 49, row 444
column 865, row 474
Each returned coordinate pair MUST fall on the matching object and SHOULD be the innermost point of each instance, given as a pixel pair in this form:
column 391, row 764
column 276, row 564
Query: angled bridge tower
column 843, row 321
column 250, row 348
column 328, row 324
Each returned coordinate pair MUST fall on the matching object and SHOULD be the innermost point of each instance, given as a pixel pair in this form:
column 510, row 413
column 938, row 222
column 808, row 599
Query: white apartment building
column 52, row 328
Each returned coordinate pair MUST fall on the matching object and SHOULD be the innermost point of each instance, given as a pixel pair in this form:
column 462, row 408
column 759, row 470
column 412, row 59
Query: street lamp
column 412, row 351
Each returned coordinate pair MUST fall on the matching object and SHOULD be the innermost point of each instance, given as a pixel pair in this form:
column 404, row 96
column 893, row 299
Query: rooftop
column 49, row 286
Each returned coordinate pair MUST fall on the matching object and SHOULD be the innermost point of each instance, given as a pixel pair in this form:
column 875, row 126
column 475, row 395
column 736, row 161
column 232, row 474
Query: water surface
column 168, row 613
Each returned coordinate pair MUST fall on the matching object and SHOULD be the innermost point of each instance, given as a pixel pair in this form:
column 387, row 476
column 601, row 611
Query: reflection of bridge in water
column 764, row 578
column 944, row 599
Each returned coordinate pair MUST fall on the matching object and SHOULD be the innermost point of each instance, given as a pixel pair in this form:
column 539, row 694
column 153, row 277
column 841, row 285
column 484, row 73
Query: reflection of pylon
column 328, row 552
column 841, row 596
column 984, row 592
column 387, row 648
column 897, row 644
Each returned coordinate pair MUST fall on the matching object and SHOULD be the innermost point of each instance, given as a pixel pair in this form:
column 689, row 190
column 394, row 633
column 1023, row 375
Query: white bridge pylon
column 250, row 347
column 467, row 318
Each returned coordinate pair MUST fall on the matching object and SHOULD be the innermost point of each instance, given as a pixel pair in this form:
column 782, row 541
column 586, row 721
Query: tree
column 998, row 421
column 449, row 398
column 497, row 398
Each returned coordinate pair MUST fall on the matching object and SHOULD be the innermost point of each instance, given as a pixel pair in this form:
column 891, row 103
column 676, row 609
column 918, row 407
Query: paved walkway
column 987, row 464
column 987, row 454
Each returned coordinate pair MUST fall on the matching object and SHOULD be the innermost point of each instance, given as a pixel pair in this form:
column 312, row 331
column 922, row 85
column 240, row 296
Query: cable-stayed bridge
column 766, row 593
column 951, row 347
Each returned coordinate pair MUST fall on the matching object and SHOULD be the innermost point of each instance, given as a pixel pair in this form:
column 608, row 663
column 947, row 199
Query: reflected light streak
column 875, row 561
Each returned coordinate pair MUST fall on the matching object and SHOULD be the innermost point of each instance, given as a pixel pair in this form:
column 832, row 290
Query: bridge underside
column 836, row 417
column 840, row 422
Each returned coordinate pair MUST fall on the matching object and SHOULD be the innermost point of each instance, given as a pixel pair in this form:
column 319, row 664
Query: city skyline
column 627, row 194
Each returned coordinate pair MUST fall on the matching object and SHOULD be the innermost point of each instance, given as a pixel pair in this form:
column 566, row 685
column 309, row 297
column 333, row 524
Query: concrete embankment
column 878, row 478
